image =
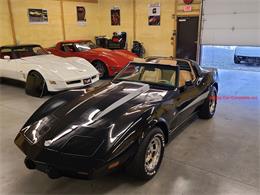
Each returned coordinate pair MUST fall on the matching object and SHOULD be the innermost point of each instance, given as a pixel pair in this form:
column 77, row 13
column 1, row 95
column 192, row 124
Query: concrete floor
column 218, row 156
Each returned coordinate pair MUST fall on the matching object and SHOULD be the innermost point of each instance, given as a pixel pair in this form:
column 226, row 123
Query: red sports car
column 107, row 62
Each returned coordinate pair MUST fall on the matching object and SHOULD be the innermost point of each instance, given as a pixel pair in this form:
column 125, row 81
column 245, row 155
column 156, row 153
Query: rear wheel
column 208, row 108
column 35, row 85
column 148, row 159
column 101, row 68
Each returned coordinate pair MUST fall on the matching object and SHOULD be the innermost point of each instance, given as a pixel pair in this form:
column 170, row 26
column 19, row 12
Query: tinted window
column 196, row 68
column 162, row 75
column 20, row 52
column 5, row 52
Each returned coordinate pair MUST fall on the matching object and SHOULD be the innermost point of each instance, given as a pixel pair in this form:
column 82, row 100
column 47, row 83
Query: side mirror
column 188, row 83
column 7, row 57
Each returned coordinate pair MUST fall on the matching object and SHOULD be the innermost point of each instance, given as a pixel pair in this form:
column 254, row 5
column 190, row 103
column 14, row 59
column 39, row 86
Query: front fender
column 46, row 74
column 133, row 136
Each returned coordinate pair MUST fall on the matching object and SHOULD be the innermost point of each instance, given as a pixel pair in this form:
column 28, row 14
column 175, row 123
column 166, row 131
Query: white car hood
column 67, row 68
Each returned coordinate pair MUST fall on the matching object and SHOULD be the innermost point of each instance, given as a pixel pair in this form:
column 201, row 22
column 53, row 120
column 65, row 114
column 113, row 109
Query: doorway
column 187, row 37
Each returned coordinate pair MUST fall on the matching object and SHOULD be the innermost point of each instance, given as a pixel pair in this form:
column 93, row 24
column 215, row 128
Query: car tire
column 236, row 60
column 101, row 68
column 139, row 166
column 35, row 85
column 208, row 108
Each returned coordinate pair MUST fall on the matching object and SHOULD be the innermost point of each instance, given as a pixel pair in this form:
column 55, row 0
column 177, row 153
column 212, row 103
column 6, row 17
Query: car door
column 9, row 64
column 188, row 95
column 12, row 69
column 183, row 105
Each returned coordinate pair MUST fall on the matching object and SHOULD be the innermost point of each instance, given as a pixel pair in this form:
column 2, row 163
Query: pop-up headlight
column 38, row 129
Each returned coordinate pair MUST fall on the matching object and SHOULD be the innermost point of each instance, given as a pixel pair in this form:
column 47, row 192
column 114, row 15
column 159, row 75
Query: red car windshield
column 85, row 45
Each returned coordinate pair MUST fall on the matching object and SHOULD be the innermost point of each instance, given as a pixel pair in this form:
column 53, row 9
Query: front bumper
column 51, row 161
column 62, row 85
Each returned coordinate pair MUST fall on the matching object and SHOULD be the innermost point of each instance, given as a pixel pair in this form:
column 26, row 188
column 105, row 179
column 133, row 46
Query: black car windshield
column 154, row 74
column 85, row 45
column 23, row 51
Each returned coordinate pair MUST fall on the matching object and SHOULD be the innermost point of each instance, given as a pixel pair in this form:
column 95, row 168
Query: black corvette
column 122, row 123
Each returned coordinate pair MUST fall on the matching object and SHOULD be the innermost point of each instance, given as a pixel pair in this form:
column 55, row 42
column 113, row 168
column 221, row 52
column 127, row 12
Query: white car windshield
column 16, row 52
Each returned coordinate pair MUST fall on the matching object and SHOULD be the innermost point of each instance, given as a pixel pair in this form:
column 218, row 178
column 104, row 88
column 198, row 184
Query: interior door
column 187, row 35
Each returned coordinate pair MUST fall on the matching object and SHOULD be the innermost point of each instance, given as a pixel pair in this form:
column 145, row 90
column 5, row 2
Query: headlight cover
column 38, row 129
column 82, row 146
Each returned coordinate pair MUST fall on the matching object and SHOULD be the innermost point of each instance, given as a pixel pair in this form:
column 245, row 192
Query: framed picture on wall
column 81, row 15
column 38, row 16
column 115, row 16
column 154, row 14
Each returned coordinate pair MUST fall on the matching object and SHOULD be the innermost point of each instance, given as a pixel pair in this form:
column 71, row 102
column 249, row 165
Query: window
column 154, row 74
column 5, row 52
column 186, row 72
column 23, row 51
column 68, row 47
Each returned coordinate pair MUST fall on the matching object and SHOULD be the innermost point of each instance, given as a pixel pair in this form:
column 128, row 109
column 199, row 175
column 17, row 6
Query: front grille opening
column 73, row 82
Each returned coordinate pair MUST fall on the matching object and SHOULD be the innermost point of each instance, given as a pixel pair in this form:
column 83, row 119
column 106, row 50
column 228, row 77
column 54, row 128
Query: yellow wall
column 74, row 30
column 156, row 39
column 44, row 34
column 195, row 7
column 5, row 24
column 126, row 21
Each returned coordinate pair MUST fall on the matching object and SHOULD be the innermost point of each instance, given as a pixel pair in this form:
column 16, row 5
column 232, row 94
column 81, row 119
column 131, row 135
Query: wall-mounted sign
column 81, row 15
column 187, row 8
column 154, row 14
column 115, row 16
column 38, row 16
column 188, row 1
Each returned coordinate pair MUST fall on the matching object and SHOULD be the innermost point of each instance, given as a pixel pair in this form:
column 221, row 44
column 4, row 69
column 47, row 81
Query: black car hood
column 104, row 114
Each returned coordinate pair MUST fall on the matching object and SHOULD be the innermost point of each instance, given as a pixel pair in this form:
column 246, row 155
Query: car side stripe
column 197, row 100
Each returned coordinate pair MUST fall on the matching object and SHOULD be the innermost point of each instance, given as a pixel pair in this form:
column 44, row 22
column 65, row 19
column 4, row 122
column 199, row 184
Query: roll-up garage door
column 231, row 22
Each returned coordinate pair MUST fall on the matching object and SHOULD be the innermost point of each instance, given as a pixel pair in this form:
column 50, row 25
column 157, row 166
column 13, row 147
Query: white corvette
column 44, row 72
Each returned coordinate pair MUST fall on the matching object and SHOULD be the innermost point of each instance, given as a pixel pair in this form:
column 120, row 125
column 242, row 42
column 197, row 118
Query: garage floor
column 219, row 156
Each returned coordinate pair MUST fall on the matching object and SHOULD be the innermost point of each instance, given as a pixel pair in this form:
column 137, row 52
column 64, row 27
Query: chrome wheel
column 153, row 154
column 212, row 102
column 101, row 69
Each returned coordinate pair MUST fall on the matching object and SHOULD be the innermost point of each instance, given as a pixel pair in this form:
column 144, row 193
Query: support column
column 62, row 21
column 134, row 20
column 12, row 21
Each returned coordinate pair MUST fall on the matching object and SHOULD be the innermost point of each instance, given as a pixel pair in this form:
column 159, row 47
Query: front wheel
column 101, row 68
column 148, row 159
column 208, row 108
column 35, row 85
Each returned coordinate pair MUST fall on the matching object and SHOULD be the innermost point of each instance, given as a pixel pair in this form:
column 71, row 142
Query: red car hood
column 118, row 55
